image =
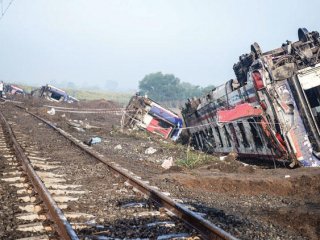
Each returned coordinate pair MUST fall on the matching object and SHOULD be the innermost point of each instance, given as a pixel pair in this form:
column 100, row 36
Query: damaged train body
column 14, row 90
column 53, row 94
column 271, row 110
column 143, row 112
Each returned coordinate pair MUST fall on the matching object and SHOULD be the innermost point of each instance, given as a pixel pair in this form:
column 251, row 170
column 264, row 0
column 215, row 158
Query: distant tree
column 167, row 87
column 208, row 89
column 160, row 86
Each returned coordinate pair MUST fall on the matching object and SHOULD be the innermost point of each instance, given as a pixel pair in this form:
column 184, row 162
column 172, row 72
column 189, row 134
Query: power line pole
column 3, row 11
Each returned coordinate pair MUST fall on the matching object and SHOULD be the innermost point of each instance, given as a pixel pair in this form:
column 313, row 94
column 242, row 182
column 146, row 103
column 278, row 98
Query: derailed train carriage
column 54, row 94
column 271, row 110
column 144, row 113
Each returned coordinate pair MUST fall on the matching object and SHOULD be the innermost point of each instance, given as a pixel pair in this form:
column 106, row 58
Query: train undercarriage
column 271, row 109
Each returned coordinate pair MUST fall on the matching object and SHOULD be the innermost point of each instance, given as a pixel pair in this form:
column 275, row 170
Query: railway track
column 37, row 206
column 126, row 208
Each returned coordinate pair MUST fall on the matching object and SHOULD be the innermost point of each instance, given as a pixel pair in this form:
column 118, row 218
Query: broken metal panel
column 242, row 138
column 244, row 110
column 144, row 113
column 309, row 79
column 295, row 131
column 271, row 109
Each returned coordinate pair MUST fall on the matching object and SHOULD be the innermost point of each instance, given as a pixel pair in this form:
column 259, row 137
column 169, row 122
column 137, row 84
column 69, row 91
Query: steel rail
column 63, row 227
column 207, row 229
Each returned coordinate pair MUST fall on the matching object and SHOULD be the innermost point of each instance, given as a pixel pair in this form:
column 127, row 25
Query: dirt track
column 250, row 201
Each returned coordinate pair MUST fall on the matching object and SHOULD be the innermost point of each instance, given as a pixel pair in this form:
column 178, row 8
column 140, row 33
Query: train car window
column 256, row 134
column 227, row 136
column 194, row 141
column 270, row 123
column 208, row 143
column 233, row 132
column 211, row 137
column 219, row 135
column 56, row 96
column 163, row 124
column 235, row 84
column 200, row 143
column 222, row 101
column 313, row 96
column 203, row 139
column 229, row 87
column 243, row 134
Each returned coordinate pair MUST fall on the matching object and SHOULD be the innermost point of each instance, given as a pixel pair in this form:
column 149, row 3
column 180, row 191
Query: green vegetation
column 166, row 87
column 194, row 159
column 122, row 98
column 187, row 157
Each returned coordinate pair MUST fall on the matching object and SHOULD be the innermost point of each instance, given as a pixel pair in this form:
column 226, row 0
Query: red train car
column 144, row 113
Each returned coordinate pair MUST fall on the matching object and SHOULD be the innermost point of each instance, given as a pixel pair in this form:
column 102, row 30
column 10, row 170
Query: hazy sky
column 115, row 43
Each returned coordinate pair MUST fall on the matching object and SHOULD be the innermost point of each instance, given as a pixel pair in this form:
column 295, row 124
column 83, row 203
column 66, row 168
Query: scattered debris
column 135, row 205
column 174, row 236
column 77, row 124
column 91, row 222
column 92, row 141
column 286, row 176
column 95, row 140
column 79, row 129
column 118, row 147
column 150, row 150
column 167, row 163
column 51, row 111
column 166, row 224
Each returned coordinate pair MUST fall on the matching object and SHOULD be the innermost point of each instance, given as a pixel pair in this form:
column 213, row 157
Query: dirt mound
column 38, row 102
column 281, row 182
column 100, row 103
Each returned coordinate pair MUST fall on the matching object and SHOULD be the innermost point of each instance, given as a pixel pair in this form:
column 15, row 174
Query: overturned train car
column 144, row 113
column 52, row 93
column 14, row 90
column 271, row 110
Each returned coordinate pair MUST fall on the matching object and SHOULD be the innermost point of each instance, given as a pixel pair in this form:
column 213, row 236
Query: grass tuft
column 193, row 159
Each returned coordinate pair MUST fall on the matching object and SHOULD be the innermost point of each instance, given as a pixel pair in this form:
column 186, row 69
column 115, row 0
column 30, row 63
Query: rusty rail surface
column 63, row 227
column 207, row 229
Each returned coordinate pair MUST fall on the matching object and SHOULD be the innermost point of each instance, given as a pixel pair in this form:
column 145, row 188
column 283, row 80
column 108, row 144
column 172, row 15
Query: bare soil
column 7, row 207
column 263, row 200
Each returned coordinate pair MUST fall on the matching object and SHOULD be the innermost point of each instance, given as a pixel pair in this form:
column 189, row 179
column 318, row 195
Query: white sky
column 115, row 43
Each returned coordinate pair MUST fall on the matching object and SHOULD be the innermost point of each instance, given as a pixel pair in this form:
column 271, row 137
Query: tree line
column 166, row 87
